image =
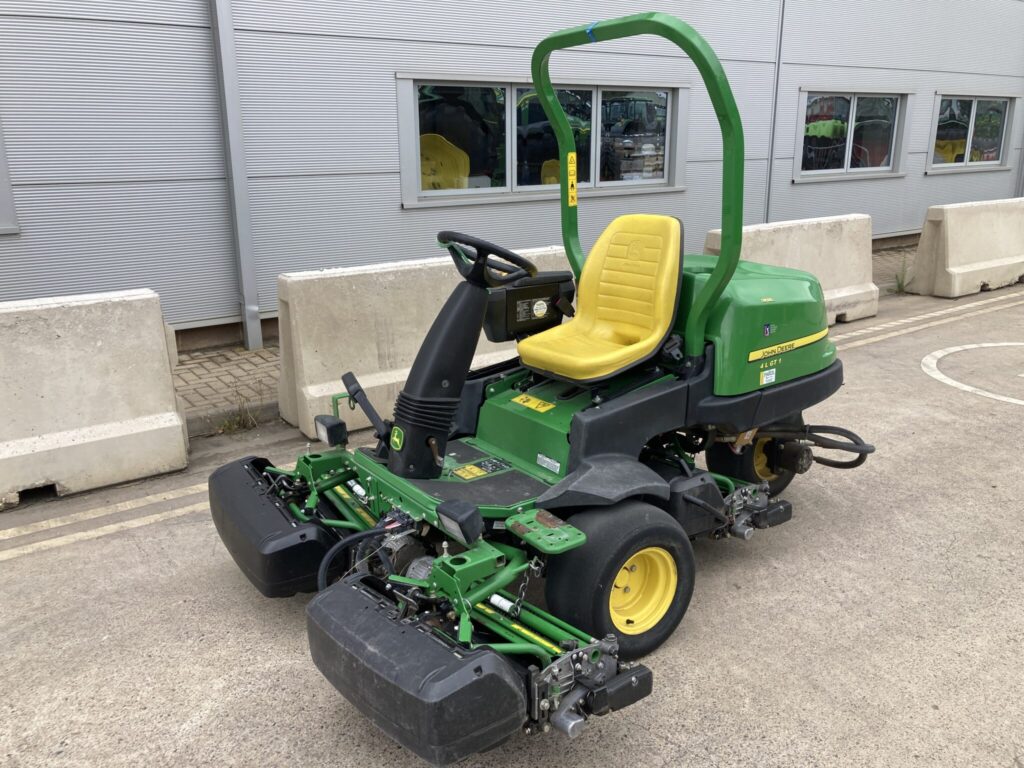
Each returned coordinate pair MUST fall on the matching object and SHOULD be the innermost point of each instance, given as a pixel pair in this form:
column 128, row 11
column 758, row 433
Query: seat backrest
column 630, row 281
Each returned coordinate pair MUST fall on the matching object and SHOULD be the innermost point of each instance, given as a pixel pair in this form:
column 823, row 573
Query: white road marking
column 928, row 315
column 915, row 328
column 930, row 365
column 95, row 533
column 89, row 514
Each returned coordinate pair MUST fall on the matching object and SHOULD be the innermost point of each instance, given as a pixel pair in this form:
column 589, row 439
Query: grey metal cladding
column 113, row 142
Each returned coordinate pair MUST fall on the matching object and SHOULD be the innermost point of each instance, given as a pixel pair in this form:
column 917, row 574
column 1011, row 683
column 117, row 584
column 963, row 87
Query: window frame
column 897, row 154
column 8, row 212
column 407, row 85
column 966, row 166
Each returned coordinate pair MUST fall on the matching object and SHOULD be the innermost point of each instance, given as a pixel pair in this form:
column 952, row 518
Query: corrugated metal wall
column 112, row 130
column 320, row 114
column 110, row 115
column 918, row 47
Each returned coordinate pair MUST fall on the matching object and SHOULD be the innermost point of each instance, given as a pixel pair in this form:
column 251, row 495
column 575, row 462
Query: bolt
column 528, row 731
column 634, row 681
column 625, row 590
column 579, row 667
column 632, row 568
column 547, row 727
column 545, row 704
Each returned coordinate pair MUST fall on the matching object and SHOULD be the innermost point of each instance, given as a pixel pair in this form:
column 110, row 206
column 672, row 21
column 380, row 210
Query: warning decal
column 534, row 403
column 570, row 160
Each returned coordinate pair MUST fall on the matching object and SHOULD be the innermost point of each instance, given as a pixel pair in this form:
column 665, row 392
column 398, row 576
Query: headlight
column 461, row 520
column 331, row 430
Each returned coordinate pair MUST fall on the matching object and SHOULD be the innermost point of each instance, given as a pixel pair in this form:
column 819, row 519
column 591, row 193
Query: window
column 493, row 138
column 977, row 123
column 8, row 216
column 830, row 146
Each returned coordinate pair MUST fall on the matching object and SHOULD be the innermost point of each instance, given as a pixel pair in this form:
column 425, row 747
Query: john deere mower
column 576, row 463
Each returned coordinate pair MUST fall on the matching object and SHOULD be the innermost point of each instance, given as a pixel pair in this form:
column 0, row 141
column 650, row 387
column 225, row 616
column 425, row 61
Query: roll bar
column 710, row 68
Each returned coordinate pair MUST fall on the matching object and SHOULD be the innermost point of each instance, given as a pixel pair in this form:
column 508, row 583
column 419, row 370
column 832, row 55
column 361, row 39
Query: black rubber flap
column 442, row 705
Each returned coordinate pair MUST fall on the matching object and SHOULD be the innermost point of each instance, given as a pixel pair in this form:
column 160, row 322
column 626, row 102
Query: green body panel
column 762, row 307
column 535, row 441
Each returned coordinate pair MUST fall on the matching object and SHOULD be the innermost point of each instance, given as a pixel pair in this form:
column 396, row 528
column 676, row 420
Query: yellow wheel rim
column 643, row 591
column 761, row 461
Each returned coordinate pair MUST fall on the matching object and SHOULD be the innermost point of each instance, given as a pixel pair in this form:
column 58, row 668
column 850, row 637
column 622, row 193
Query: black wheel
column 753, row 462
column 633, row 578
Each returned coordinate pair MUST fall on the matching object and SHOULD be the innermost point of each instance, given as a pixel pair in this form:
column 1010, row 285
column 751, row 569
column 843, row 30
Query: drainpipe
column 775, row 107
column 222, row 27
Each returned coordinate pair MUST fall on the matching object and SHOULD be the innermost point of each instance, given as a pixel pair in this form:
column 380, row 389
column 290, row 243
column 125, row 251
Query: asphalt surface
column 882, row 626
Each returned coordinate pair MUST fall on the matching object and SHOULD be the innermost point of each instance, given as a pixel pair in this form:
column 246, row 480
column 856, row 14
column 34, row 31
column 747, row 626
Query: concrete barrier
column 369, row 320
column 969, row 247
column 835, row 249
column 86, row 397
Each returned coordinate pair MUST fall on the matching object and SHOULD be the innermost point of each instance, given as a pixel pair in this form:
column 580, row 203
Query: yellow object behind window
column 442, row 164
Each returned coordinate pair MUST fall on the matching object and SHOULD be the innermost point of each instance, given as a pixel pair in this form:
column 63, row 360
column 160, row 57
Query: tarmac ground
column 882, row 626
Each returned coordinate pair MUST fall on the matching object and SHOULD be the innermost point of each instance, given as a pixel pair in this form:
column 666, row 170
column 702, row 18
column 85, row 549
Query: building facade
column 202, row 147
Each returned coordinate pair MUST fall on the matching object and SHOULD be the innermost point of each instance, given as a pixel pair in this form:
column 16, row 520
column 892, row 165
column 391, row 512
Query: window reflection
column 989, row 124
column 874, row 126
column 825, row 126
column 462, row 136
column 537, row 149
column 633, row 135
column 951, row 132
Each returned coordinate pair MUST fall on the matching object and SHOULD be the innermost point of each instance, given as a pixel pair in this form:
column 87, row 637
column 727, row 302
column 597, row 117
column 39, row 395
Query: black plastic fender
column 602, row 480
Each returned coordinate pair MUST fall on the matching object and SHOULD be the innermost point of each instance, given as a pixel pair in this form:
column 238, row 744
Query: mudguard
column 602, row 480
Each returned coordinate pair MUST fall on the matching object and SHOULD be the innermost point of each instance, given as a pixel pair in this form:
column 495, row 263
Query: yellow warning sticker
column 570, row 161
column 470, row 472
column 534, row 403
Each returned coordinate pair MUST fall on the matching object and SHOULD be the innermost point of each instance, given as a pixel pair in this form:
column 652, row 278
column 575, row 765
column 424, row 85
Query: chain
column 535, row 568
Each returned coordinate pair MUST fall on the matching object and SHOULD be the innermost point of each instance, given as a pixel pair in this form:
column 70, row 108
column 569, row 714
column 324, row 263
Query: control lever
column 357, row 393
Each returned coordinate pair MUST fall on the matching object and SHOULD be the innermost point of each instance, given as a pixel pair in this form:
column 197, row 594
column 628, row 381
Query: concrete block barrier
column 369, row 320
column 835, row 249
column 969, row 247
column 86, row 397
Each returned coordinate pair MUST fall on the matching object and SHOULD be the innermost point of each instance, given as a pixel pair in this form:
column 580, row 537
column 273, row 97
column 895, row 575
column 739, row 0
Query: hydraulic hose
column 810, row 434
column 338, row 548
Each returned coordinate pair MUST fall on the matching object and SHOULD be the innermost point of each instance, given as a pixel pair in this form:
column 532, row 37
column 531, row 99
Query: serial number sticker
column 534, row 403
column 548, row 463
column 768, row 376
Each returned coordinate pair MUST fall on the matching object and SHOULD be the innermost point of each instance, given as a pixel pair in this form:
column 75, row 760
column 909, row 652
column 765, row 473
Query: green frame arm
column 710, row 68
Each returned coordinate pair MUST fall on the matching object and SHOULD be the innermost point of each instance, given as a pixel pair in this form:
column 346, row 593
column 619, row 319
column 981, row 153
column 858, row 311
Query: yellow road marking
column 90, row 514
column 786, row 346
column 95, row 533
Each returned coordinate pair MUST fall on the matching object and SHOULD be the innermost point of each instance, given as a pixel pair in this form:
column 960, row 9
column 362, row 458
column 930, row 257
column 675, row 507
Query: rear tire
column 633, row 578
column 751, row 463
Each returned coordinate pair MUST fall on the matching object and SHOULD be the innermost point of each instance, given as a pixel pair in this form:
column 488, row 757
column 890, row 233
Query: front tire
column 633, row 578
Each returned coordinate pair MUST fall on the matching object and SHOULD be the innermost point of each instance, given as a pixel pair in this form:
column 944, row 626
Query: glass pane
column 462, row 136
column 874, row 126
column 951, row 132
column 537, row 149
column 633, row 133
column 825, row 125
column 987, row 139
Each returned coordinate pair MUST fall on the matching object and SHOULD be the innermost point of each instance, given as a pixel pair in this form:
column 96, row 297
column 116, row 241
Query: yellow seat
column 625, row 305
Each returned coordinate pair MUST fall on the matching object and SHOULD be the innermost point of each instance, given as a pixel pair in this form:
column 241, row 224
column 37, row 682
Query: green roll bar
column 710, row 68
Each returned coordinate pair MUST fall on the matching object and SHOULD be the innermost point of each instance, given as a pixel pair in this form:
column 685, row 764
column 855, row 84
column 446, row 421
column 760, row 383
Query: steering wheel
column 483, row 263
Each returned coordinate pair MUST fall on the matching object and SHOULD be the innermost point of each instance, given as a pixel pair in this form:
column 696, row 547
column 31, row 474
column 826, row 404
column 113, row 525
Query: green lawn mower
column 575, row 463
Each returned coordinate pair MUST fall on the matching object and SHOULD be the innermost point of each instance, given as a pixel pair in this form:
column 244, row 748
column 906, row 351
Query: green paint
column 707, row 63
column 759, row 295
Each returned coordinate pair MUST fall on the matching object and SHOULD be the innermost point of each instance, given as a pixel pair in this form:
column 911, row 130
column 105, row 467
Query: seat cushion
column 625, row 305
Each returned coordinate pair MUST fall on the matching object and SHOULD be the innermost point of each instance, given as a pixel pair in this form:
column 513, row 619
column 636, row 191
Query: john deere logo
column 635, row 250
column 770, row 328
column 397, row 438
